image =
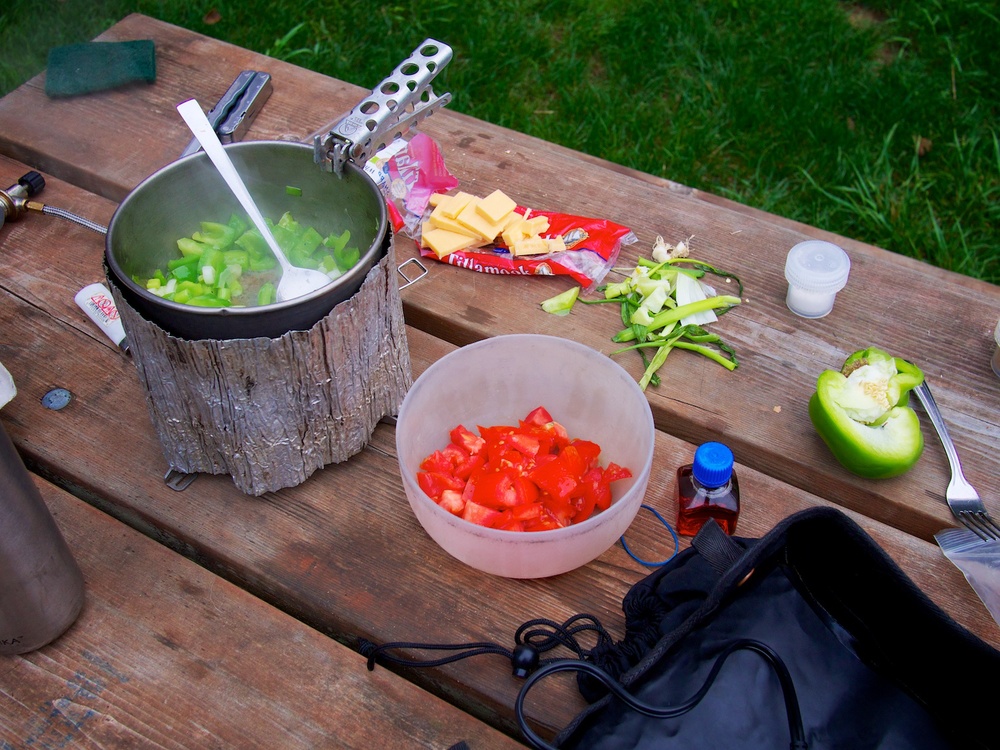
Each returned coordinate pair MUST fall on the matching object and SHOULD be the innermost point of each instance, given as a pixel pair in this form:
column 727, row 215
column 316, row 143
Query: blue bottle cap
column 713, row 464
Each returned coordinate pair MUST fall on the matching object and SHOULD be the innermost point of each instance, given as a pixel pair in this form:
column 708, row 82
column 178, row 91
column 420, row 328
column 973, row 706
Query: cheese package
column 409, row 172
column 496, row 235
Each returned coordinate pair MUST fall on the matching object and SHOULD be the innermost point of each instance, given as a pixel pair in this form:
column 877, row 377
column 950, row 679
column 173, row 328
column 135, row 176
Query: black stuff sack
column 872, row 661
column 808, row 637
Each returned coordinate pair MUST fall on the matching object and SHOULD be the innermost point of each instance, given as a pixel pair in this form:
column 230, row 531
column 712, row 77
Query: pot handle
column 397, row 104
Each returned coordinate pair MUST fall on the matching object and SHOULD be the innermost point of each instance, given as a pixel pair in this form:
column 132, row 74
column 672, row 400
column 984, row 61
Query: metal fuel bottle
column 41, row 585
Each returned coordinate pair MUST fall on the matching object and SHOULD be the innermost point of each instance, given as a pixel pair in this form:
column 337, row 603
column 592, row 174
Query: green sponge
column 95, row 66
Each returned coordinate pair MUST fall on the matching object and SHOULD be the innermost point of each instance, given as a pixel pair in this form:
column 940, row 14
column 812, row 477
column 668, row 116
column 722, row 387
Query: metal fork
column 961, row 496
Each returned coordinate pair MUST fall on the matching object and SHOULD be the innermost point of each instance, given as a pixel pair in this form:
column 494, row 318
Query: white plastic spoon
column 295, row 281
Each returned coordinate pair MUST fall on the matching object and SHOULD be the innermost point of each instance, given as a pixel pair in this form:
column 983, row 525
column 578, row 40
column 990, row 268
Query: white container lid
column 817, row 266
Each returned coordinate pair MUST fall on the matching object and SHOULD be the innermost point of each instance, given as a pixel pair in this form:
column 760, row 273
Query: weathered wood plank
column 342, row 551
column 168, row 655
column 148, row 133
column 890, row 301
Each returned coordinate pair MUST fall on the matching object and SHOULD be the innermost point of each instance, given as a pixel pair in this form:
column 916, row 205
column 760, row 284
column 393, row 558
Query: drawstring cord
column 536, row 637
column 794, row 716
column 531, row 639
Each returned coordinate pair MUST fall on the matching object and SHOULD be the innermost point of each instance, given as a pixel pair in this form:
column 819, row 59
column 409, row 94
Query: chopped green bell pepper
column 212, row 262
column 562, row 303
column 861, row 413
column 219, row 236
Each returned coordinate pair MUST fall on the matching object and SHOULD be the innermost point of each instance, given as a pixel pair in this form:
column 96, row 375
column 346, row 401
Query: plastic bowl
column 498, row 381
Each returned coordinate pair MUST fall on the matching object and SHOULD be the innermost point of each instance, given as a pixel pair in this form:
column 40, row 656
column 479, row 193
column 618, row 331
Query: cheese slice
column 529, row 246
column 495, row 207
column 516, row 230
column 439, row 220
column 463, row 220
column 444, row 243
column 556, row 244
column 472, row 219
column 454, row 205
column 538, row 224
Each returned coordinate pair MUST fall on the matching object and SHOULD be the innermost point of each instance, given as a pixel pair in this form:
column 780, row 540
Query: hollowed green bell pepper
column 862, row 414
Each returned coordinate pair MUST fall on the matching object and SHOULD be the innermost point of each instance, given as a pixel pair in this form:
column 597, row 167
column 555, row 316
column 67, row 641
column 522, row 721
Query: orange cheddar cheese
column 439, row 220
column 472, row 219
column 443, row 242
column 463, row 220
column 496, row 207
column 454, row 205
column 529, row 246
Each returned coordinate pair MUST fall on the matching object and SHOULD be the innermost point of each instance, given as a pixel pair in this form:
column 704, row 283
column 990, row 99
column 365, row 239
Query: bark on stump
column 270, row 412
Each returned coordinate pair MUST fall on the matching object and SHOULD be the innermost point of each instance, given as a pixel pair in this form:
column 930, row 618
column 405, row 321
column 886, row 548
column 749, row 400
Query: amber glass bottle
column 708, row 488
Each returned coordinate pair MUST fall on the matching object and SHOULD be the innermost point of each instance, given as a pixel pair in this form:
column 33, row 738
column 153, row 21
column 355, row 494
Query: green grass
column 877, row 122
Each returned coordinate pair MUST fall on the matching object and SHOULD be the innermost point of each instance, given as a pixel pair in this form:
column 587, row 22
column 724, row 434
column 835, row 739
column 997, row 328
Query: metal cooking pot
column 336, row 194
column 170, row 203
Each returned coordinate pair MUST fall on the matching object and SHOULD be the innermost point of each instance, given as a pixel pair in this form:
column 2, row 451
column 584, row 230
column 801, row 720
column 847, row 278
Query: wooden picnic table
column 341, row 557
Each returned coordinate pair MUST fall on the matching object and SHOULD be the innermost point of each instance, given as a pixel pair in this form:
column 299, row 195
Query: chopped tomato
column 560, row 511
column 614, row 472
column 497, row 441
column 540, row 420
column 513, row 519
column 583, row 507
column 528, row 477
column 576, row 463
column 466, row 467
column 436, row 462
column 589, row 451
column 524, row 443
column 479, row 515
column 434, row 483
column 527, row 511
column 596, row 490
column 538, row 416
column 467, row 439
column 452, row 502
column 494, row 489
column 505, row 523
column 503, row 489
column 469, row 490
column 555, row 478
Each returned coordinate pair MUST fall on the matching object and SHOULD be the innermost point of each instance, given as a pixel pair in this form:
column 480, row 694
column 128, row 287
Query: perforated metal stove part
column 397, row 104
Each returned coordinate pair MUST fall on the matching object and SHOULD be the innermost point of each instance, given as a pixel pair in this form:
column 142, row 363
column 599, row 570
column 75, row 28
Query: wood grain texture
column 168, row 655
column 270, row 412
column 940, row 320
column 343, row 552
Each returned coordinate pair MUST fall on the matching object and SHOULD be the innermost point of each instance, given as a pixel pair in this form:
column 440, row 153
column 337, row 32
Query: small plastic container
column 815, row 271
column 996, row 352
column 708, row 488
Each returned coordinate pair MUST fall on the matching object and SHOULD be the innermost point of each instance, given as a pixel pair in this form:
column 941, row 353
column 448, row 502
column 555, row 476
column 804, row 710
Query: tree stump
column 270, row 412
